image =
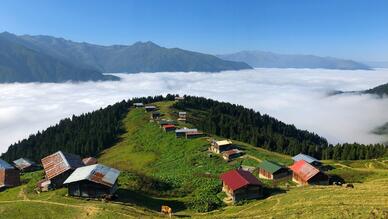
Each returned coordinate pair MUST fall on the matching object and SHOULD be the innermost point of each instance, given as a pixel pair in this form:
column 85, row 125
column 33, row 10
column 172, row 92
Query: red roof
column 305, row 170
column 168, row 126
column 236, row 179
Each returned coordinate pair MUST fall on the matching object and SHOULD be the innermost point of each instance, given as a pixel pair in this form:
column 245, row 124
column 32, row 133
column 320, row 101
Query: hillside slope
column 159, row 169
column 19, row 63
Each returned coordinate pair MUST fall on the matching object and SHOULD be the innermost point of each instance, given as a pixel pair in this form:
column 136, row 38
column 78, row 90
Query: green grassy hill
column 159, row 169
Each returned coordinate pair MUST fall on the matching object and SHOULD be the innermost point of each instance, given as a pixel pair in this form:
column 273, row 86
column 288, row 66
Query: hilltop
column 29, row 58
column 260, row 59
column 159, row 169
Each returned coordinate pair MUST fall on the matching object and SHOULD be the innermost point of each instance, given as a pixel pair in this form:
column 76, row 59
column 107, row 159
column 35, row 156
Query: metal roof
column 305, row 157
column 97, row 173
column 232, row 151
column 184, row 130
column 59, row 162
column 22, row 163
column 5, row 165
column 236, row 179
column 138, row 104
column 224, row 142
column 305, row 170
column 150, row 107
column 89, row 160
column 270, row 166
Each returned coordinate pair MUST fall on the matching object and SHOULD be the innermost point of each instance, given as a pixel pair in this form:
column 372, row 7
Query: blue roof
column 305, row 157
column 5, row 165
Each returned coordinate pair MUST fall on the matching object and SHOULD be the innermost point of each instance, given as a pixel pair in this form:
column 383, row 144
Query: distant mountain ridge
column 67, row 60
column 260, row 59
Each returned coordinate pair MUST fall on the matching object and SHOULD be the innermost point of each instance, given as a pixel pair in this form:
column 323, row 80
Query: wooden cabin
column 9, row 175
column 221, row 146
column 156, row 115
column 241, row 185
column 138, row 105
column 177, row 98
column 182, row 132
column 182, row 116
column 150, row 108
column 273, row 171
column 306, row 174
column 232, row 154
column 25, row 165
column 59, row 166
column 194, row 134
column 94, row 181
column 89, row 161
column 311, row 160
column 169, row 128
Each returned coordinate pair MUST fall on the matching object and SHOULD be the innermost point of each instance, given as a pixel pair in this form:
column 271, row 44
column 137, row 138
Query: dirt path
column 252, row 157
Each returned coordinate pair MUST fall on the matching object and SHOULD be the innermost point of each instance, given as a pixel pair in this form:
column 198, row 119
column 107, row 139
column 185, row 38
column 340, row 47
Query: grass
column 158, row 169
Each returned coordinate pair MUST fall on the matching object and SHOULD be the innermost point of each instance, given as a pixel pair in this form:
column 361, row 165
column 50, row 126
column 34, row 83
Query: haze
column 297, row 96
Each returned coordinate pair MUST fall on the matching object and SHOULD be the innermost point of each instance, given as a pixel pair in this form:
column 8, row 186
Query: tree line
column 86, row 135
column 236, row 122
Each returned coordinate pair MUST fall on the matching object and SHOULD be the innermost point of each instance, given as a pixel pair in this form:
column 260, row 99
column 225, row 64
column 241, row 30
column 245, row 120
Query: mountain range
column 28, row 58
column 260, row 59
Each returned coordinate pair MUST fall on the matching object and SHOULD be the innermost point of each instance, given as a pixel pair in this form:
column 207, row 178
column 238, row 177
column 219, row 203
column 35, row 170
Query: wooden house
column 25, row 165
column 89, row 161
column 182, row 116
column 194, row 134
column 59, row 166
column 138, row 105
column 94, row 181
column 169, row 128
column 241, row 185
column 311, row 160
column 156, row 115
column 182, row 132
column 221, row 146
column 232, row 154
column 306, row 174
column 177, row 98
column 9, row 175
column 150, row 108
column 273, row 171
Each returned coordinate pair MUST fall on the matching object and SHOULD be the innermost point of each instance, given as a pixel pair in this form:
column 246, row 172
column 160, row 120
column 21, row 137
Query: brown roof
column 89, row 161
column 60, row 162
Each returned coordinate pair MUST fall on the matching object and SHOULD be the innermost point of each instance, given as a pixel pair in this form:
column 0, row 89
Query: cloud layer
column 297, row 96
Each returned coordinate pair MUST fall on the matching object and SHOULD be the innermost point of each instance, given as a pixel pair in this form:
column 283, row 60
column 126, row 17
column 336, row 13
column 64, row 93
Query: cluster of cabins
column 83, row 178
column 240, row 184
column 226, row 148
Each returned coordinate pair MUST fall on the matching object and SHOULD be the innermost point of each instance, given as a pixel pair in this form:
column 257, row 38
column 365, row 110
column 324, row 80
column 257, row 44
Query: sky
column 294, row 96
column 352, row 29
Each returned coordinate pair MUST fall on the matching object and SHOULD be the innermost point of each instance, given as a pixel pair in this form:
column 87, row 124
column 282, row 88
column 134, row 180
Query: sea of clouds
column 297, row 96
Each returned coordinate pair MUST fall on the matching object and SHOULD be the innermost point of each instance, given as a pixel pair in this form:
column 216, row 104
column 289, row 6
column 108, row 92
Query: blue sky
column 343, row 28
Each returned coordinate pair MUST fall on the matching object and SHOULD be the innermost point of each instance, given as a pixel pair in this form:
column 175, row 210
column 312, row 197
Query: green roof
column 270, row 166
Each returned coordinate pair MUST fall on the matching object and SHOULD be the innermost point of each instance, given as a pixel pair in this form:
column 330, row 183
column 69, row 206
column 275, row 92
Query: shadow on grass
column 273, row 191
column 153, row 203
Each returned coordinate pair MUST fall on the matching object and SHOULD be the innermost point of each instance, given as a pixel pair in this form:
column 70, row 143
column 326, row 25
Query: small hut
column 138, row 105
column 156, row 115
column 169, row 128
column 182, row 132
column 273, row 171
column 306, row 174
column 221, row 146
column 59, row 166
column 9, row 175
column 241, row 185
column 194, row 134
column 25, row 165
column 166, row 122
column 182, row 116
column 150, row 108
column 311, row 160
column 89, row 161
column 94, row 181
column 232, row 154
column 177, row 98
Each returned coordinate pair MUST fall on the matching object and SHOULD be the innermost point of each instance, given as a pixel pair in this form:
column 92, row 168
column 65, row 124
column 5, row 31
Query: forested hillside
column 86, row 135
column 381, row 90
column 246, row 125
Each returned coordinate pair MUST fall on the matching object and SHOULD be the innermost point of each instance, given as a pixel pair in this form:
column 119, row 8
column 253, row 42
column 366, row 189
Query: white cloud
column 295, row 96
